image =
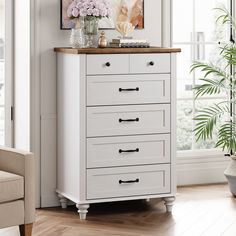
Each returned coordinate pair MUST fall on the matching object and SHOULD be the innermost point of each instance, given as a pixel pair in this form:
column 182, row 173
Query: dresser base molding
column 83, row 206
column 169, row 202
column 117, row 199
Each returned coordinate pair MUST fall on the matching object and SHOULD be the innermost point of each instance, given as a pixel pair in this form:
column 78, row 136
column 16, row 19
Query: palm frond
column 227, row 136
column 207, row 120
column 207, row 69
column 225, row 17
column 229, row 54
column 211, row 86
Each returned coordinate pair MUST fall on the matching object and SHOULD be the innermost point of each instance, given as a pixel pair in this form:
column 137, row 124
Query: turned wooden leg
column 82, row 210
column 26, row 230
column 169, row 202
column 63, row 201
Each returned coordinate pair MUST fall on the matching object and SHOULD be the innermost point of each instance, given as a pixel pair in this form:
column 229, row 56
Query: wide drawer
column 128, row 120
column 150, row 63
column 128, row 89
column 128, row 181
column 107, row 64
column 128, row 150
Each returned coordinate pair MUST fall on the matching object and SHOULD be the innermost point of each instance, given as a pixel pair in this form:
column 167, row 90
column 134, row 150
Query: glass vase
column 77, row 35
column 91, row 30
column 76, row 38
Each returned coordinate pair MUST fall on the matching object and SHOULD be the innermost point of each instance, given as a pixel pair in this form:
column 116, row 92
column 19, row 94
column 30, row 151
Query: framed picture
column 66, row 22
column 131, row 11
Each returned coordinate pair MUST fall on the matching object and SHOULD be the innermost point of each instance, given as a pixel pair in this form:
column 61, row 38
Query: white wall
column 48, row 35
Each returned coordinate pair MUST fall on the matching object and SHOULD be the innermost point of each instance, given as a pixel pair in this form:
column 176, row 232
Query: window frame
column 9, row 71
column 195, row 154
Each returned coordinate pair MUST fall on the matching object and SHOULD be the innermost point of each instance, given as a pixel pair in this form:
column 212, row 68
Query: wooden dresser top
column 115, row 50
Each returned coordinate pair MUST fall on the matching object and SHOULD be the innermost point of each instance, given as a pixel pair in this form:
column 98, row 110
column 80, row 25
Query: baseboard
column 201, row 173
column 49, row 201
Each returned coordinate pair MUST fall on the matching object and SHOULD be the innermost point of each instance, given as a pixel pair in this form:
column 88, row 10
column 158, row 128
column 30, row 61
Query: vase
column 77, row 35
column 91, row 30
column 76, row 38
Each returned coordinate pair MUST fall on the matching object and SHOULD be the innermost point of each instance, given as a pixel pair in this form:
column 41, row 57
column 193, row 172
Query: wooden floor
column 202, row 210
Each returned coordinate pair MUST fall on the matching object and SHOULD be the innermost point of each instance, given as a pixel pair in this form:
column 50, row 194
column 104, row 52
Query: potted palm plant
column 220, row 118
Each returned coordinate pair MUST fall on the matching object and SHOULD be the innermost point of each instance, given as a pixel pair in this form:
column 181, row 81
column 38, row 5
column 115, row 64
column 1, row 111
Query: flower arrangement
column 95, row 8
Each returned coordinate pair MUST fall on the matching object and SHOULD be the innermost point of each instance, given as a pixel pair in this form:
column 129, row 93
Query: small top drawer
column 107, row 64
column 150, row 63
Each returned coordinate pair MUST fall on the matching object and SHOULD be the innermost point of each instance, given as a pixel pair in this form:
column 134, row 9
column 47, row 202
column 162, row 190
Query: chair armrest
column 21, row 163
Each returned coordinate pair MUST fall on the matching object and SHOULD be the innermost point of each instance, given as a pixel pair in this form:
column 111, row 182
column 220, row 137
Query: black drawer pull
column 128, row 181
column 151, row 63
column 128, row 89
column 135, row 150
column 108, row 64
column 129, row 120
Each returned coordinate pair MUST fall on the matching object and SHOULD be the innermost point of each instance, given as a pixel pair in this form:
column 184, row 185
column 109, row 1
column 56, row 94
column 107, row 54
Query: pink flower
column 95, row 12
column 97, row 8
column 70, row 8
column 89, row 12
column 75, row 12
column 83, row 12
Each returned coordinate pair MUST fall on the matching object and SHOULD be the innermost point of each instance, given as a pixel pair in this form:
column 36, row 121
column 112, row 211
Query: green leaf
column 227, row 136
column 225, row 16
column 215, row 85
column 207, row 120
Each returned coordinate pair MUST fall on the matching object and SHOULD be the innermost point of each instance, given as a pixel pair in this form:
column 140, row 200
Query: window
column 196, row 32
column 5, row 71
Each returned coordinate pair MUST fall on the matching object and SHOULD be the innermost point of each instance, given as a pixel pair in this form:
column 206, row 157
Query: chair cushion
column 11, row 187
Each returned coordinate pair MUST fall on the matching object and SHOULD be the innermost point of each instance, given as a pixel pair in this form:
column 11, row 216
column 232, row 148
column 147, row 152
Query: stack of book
column 129, row 43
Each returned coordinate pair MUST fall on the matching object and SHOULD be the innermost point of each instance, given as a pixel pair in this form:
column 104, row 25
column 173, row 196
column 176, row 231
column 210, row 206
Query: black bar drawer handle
column 108, row 64
column 135, row 150
column 129, row 89
column 128, row 181
column 151, row 63
column 129, row 120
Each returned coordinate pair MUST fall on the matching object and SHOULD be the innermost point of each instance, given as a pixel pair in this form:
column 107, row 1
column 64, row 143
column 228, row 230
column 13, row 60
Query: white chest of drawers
column 116, row 125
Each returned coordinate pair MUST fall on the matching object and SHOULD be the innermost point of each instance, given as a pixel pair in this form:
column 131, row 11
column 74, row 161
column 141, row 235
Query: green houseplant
column 220, row 118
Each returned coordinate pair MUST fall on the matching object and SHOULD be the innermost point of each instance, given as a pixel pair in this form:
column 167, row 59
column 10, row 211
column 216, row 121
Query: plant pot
column 230, row 174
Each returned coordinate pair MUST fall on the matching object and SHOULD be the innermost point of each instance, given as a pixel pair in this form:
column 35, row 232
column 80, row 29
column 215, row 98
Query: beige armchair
column 17, row 190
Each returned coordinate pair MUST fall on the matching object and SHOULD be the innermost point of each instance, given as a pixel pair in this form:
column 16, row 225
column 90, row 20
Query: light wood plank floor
column 202, row 210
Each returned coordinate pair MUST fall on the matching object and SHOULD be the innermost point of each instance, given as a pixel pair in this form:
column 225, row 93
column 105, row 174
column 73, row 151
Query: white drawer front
column 128, row 89
column 128, row 120
column 128, row 150
column 107, row 64
column 128, row 181
column 150, row 63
